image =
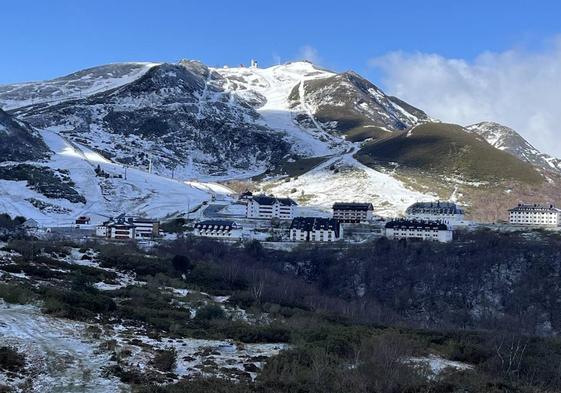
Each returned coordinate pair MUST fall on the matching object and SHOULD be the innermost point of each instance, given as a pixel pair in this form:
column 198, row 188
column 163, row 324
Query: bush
column 209, row 312
column 16, row 294
column 77, row 304
column 165, row 360
column 11, row 360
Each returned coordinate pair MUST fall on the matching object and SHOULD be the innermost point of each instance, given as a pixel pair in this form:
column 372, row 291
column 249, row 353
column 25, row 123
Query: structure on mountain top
column 535, row 214
column 315, row 229
column 352, row 212
column 125, row 227
column 222, row 229
column 419, row 230
column 445, row 212
column 253, row 63
column 263, row 206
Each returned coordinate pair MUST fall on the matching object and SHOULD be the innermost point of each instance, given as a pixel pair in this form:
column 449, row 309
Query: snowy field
column 140, row 193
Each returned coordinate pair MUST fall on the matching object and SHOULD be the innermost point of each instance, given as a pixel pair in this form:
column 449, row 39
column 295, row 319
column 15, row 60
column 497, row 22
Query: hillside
column 447, row 149
column 280, row 129
column 73, row 86
column 172, row 115
column 53, row 180
column 200, row 316
column 18, row 141
column 351, row 106
column 510, row 141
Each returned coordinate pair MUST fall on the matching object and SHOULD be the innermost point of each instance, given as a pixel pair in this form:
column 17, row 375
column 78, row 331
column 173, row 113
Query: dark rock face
column 510, row 141
column 171, row 115
column 350, row 105
column 18, row 141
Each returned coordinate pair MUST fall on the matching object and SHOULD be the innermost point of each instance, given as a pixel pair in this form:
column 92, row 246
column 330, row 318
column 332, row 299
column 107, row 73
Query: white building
column 128, row 227
column 262, row 206
column 534, row 214
column 419, row 230
column 352, row 212
column 315, row 229
column 445, row 212
column 220, row 229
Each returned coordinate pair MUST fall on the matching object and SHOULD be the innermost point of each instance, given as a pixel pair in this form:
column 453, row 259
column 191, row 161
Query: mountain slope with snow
column 73, row 86
column 282, row 127
column 508, row 140
column 72, row 180
column 18, row 141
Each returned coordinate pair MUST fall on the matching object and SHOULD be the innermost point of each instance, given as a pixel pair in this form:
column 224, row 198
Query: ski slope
column 139, row 193
column 275, row 84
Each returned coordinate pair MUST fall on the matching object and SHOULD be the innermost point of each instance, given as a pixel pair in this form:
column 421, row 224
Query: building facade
column 445, row 212
column 534, row 214
column 418, row 230
column 129, row 227
column 221, row 229
column 352, row 212
column 267, row 207
column 315, row 229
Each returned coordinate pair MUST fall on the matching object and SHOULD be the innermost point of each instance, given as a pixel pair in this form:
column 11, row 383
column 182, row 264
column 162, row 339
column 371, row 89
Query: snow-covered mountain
column 18, row 141
column 56, row 180
column 506, row 139
column 294, row 129
column 74, row 86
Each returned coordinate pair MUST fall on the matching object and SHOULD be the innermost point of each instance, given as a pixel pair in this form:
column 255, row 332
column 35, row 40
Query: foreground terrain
column 477, row 315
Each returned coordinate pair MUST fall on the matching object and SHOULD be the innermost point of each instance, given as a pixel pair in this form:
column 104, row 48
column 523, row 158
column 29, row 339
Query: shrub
column 16, row 294
column 11, row 360
column 209, row 312
column 165, row 360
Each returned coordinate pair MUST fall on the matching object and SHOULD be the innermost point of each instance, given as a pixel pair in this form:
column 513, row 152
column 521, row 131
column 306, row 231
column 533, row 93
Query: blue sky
column 44, row 39
column 460, row 61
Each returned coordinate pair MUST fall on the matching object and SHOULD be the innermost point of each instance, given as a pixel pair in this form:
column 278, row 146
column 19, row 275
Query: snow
column 353, row 182
column 57, row 351
column 140, row 193
column 275, row 84
column 59, row 90
column 437, row 364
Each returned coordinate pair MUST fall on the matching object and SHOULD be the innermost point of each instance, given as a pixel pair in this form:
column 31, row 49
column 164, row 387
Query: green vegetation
column 53, row 184
column 351, row 317
column 295, row 168
column 11, row 360
column 446, row 149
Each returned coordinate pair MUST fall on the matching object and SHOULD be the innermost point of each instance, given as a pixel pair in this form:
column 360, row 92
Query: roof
column 414, row 224
column 271, row 200
column 216, row 223
column 535, row 207
column 352, row 206
column 434, row 207
column 316, row 223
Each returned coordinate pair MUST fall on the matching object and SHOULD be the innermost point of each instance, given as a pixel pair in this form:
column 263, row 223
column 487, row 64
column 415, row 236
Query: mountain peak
column 507, row 139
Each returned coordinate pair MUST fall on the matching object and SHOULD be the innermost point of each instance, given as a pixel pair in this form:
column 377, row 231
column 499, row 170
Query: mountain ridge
column 271, row 125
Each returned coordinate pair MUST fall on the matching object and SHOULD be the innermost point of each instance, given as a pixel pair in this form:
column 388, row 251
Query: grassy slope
column 354, row 125
column 446, row 149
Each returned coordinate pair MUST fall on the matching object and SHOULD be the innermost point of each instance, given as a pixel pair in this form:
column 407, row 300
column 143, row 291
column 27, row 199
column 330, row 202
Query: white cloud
column 309, row 53
column 516, row 88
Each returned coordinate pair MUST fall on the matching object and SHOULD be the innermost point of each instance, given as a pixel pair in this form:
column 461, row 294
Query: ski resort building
column 263, row 206
column 221, row 229
column 82, row 220
column 445, row 212
column 534, row 214
column 352, row 212
column 315, row 229
column 129, row 228
column 420, row 230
